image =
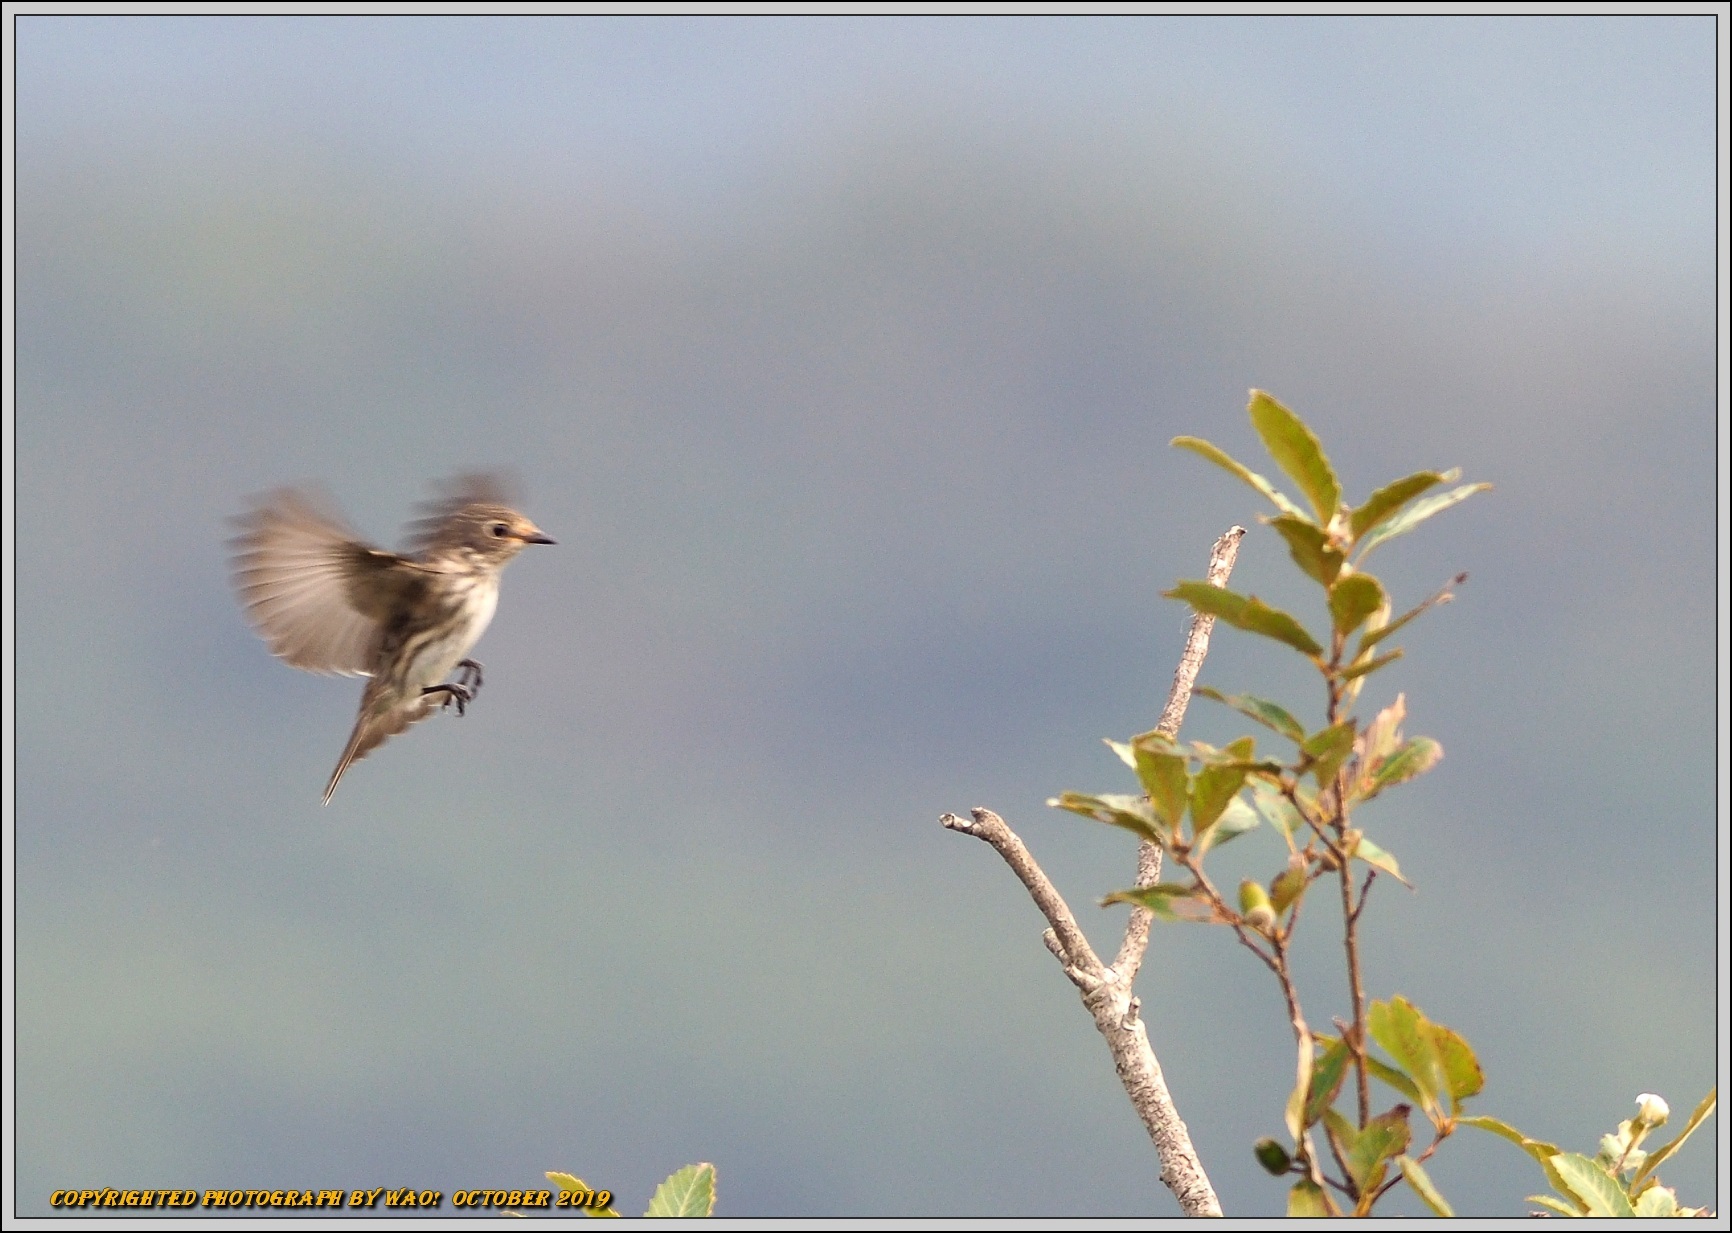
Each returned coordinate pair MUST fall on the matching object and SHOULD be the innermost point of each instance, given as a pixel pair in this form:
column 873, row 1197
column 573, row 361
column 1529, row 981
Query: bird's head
column 495, row 532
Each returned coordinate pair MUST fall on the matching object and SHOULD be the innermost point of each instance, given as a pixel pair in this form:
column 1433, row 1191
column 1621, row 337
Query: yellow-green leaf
column 1657, row 1202
column 1302, row 1089
column 1556, row 1205
column 1211, row 791
column 1235, row 820
column 1166, row 900
column 1423, row 1186
column 1227, row 462
column 1277, row 809
column 1384, row 1136
column 1306, row 1201
column 1267, row 713
column 1246, row 612
column 1378, row 633
column 1377, row 858
column 1391, row 497
column 1352, row 599
column 689, row 1192
column 1460, row 1067
column 1400, row 1028
column 1162, row 767
column 1365, row 667
column 1328, row 749
column 1131, row 813
column 1296, row 450
column 1415, row 514
column 1413, row 759
column 1326, row 1077
column 1309, row 546
column 571, row 1185
column 1598, row 1191
column 1537, row 1148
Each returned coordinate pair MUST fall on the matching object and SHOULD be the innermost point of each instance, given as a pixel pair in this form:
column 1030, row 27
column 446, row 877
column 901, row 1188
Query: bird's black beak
column 538, row 538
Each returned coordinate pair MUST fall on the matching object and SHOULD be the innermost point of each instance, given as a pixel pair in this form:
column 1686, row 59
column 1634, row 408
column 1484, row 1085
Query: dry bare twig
column 1106, row 991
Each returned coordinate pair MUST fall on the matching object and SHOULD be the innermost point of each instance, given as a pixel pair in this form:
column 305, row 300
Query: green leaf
column 1326, row 1077
column 1246, row 612
column 1263, row 711
column 1391, row 497
column 572, row 1185
column 1235, row 820
column 1164, row 900
column 1384, row 1136
column 1540, row 1150
column 1328, row 749
column 1296, row 451
column 1383, row 733
column 1415, row 514
column 1377, row 858
column 1276, row 808
column 1309, row 546
column 1126, row 754
column 1295, row 1112
column 1221, row 458
column 1162, row 767
column 689, row 1192
column 1461, row 1069
column 1413, row 759
column 1306, row 1201
column 1352, row 599
column 1422, row 1185
column 1534, row 1147
column 1366, row 667
column 1374, row 636
column 1131, row 813
column 1343, row 1133
column 1546, row 1201
column 1598, row 1191
column 1399, row 1027
column 1659, row 1155
column 1211, row 791
column 1386, row 1073
column 1382, row 1071
column 1657, row 1201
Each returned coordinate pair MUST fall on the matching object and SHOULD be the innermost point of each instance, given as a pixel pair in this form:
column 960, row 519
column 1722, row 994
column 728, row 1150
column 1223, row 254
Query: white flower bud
column 1651, row 1110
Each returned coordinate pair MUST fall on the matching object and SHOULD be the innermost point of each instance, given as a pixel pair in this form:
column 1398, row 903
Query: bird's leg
column 469, row 675
column 462, row 695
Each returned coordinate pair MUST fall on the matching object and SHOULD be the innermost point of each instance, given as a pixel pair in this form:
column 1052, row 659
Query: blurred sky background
column 841, row 357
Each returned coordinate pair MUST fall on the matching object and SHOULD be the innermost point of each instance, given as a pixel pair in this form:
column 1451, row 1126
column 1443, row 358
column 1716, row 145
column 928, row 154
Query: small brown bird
column 326, row 601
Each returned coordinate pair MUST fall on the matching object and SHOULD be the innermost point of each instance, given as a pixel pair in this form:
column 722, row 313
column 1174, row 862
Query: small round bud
column 1254, row 906
column 1272, row 1156
column 1651, row 1110
column 1285, row 888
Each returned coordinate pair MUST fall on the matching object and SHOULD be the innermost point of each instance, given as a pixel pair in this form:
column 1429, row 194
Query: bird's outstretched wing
column 452, row 496
column 310, row 587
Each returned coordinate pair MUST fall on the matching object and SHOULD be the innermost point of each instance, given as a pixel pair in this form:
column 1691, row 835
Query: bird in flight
column 327, row 601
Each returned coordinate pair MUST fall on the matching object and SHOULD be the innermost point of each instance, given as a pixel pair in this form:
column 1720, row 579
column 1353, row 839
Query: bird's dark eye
column 500, row 530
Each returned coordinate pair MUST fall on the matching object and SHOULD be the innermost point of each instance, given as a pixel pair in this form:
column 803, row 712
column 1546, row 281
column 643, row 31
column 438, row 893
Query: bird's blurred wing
column 313, row 591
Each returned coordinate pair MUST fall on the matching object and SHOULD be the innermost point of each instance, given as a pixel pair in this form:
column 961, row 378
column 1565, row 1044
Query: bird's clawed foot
column 462, row 695
column 469, row 675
